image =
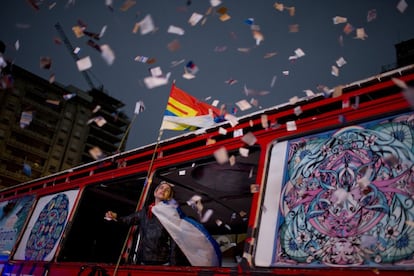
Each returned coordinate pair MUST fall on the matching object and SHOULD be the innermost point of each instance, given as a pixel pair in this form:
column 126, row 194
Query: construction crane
column 90, row 83
column 69, row 46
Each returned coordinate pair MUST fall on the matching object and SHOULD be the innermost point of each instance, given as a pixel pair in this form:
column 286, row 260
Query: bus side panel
column 70, row 269
column 264, row 253
column 46, row 226
column 341, row 198
column 13, row 215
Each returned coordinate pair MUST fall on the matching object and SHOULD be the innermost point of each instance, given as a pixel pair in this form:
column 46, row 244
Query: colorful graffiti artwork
column 13, row 214
column 45, row 228
column 48, row 228
column 348, row 197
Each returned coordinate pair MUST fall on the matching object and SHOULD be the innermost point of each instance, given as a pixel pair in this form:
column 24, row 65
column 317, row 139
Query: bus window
column 90, row 237
column 218, row 196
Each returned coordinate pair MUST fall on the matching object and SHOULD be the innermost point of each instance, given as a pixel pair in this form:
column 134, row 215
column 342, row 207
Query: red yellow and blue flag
column 185, row 112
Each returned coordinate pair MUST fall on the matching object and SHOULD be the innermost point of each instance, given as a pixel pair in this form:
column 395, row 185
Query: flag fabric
column 187, row 123
column 200, row 248
column 185, row 112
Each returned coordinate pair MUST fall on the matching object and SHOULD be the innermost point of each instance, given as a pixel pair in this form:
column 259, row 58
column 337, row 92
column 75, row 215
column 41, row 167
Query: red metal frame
column 103, row 170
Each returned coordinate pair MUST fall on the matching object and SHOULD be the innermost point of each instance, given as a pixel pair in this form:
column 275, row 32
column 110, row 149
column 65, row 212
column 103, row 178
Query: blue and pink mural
column 347, row 197
column 46, row 226
column 13, row 214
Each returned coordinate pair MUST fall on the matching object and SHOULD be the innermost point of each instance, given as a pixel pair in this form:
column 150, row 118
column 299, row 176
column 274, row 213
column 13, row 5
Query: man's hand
column 110, row 215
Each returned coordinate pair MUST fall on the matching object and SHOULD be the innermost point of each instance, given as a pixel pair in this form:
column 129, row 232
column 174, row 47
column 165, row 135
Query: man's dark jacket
column 156, row 247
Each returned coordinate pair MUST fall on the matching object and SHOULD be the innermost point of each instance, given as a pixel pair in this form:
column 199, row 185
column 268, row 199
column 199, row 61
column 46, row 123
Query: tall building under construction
column 46, row 127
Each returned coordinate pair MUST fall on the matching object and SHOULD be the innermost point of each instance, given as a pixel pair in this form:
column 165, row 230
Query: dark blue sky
column 222, row 50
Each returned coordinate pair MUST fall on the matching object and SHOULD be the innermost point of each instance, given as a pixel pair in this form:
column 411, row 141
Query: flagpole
column 126, row 133
column 160, row 132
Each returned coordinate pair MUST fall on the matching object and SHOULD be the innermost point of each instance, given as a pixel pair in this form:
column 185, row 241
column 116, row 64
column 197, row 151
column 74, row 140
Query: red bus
column 320, row 186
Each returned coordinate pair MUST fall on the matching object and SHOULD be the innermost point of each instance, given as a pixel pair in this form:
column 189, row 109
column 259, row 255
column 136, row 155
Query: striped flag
column 185, row 112
column 200, row 248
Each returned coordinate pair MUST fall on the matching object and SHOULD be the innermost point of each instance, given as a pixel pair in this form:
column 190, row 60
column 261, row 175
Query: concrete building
column 46, row 127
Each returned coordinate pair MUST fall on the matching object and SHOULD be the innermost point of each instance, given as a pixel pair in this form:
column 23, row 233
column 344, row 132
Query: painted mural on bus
column 347, row 197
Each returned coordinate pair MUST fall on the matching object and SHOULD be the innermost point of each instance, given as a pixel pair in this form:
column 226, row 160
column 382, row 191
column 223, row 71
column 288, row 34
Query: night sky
column 261, row 51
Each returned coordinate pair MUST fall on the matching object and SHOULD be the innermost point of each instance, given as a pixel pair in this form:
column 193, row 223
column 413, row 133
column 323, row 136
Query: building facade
column 46, row 127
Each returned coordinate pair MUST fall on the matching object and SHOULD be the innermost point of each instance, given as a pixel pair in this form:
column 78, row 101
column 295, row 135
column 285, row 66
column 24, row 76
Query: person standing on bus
column 156, row 246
